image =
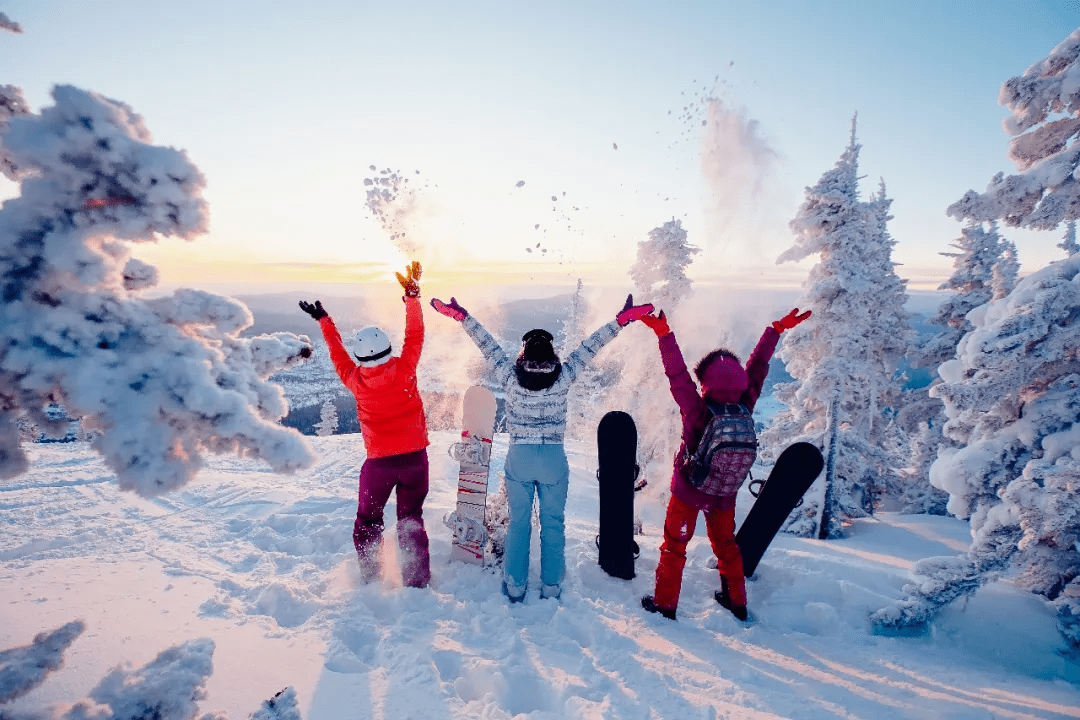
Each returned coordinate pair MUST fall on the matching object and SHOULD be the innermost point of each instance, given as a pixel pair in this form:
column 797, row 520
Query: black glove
column 315, row 311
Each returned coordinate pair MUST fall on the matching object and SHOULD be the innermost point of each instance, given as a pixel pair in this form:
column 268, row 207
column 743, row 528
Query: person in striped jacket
column 536, row 384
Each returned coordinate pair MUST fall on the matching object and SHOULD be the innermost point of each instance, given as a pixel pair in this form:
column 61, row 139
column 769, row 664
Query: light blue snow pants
column 543, row 469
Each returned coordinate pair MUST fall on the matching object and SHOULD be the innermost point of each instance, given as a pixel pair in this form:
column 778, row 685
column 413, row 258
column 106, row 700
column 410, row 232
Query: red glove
column 632, row 312
column 409, row 280
column 658, row 324
column 790, row 320
column 453, row 310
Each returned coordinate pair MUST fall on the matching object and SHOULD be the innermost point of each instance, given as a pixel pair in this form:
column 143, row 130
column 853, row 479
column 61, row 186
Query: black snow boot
column 649, row 603
column 724, row 599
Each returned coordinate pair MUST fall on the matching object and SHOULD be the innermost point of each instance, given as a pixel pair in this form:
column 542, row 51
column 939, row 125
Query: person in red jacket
column 394, row 429
column 723, row 380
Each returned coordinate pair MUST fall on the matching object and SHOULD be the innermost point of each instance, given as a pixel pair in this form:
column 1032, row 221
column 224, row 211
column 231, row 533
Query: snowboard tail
column 616, row 439
column 794, row 473
column 473, row 454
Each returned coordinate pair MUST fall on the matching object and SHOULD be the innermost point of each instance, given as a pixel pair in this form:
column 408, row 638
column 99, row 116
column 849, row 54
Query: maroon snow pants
column 678, row 529
column 408, row 474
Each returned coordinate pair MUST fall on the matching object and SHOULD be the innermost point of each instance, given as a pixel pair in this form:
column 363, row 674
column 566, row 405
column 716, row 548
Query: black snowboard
column 616, row 440
column 794, row 473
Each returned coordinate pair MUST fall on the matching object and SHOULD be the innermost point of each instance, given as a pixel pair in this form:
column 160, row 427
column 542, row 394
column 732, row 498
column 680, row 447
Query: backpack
column 726, row 451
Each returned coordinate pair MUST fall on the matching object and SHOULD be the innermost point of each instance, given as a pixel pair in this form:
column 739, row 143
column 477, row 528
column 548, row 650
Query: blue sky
column 284, row 106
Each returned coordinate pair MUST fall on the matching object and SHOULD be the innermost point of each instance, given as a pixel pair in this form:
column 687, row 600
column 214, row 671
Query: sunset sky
column 598, row 108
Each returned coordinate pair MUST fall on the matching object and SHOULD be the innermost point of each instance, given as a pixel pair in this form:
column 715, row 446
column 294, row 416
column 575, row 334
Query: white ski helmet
column 371, row 347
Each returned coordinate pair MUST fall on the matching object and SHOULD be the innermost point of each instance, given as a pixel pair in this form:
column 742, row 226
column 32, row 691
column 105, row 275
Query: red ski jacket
column 388, row 403
column 695, row 415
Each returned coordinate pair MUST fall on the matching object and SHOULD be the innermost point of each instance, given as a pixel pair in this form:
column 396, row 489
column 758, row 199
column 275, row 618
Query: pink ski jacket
column 695, row 415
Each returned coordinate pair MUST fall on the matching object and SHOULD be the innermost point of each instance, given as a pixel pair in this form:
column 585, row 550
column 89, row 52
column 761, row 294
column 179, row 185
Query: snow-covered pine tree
column 328, row 419
column 1045, row 125
column 573, row 328
column 1068, row 243
column 980, row 251
column 972, row 282
column 659, row 277
column 1012, row 394
column 659, row 274
column 12, row 104
column 159, row 380
column 848, row 352
column 1006, row 270
column 587, row 394
column 890, row 335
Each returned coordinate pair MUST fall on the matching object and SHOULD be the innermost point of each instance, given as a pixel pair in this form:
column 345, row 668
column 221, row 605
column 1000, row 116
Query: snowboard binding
column 466, row 529
column 473, row 451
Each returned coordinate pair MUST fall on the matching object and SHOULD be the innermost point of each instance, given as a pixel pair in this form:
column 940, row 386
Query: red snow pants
column 678, row 529
column 408, row 474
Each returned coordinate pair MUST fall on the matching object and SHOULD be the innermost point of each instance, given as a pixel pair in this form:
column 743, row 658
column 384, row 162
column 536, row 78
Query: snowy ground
column 263, row 564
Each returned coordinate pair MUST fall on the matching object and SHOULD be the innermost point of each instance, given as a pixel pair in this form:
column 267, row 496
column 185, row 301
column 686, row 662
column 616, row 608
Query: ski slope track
column 263, row 565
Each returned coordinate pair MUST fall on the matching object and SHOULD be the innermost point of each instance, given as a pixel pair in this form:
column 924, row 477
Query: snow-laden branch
column 24, row 668
column 160, row 381
column 1044, row 149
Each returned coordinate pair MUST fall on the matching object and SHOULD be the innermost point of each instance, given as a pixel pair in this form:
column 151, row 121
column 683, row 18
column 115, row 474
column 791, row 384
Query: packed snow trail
column 263, row 564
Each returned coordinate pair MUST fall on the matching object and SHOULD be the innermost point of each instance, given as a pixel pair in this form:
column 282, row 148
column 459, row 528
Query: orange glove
column 658, row 324
column 790, row 320
column 409, row 280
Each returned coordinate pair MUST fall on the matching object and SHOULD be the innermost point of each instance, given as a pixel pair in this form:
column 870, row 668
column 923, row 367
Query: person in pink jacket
column 723, row 380
column 394, row 429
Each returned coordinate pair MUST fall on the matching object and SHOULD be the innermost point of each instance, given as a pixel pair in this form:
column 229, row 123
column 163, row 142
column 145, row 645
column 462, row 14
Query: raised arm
column 414, row 316
column 757, row 366
column 683, row 388
column 590, row 346
column 489, row 346
column 339, row 356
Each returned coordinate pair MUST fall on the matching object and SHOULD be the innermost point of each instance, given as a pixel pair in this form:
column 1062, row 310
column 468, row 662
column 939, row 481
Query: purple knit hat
column 724, row 380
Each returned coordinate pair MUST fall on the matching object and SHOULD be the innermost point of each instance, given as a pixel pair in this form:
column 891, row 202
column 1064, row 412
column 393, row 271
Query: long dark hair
column 537, row 366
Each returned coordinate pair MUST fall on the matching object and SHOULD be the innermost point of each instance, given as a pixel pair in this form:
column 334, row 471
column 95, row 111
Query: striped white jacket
column 537, row 417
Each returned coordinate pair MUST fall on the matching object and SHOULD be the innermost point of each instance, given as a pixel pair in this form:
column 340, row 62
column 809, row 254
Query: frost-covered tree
column 846, row 356
column 980, row 255
column 1012, row 395
column 160, row 381
column 574, row 327
column 980, row 249
column 659, row 277
column 328, row 419
column 1045, row 125
column 12, row 104
column 660, row 271
column 1068, row 243
column 590, row 394
column 1006, row 270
